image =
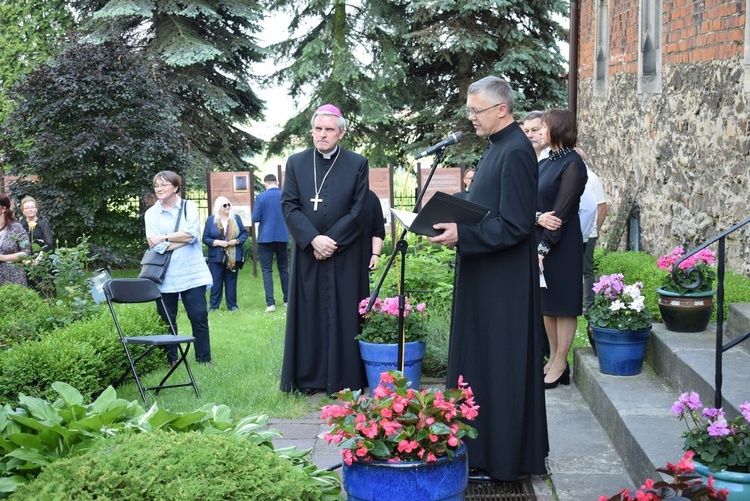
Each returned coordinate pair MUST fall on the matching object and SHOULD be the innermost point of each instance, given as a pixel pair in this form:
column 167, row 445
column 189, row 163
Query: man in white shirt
column 595, row 187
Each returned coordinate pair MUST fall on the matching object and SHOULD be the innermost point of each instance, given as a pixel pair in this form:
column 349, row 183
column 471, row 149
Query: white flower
column 617, row 305
column 637, row 304
column 633, row 291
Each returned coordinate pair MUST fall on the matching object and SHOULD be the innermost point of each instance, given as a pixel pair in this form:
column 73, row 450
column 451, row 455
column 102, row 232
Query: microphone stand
column 400, row 248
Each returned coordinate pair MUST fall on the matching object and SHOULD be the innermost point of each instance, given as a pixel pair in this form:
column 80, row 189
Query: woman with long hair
column 224, row 233
column 14, row 245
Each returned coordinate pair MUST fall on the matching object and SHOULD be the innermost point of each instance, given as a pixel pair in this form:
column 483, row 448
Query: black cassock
column 320, row 351
column 496, row 340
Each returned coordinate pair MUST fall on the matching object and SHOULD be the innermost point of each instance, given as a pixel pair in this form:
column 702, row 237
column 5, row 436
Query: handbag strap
column 179, row 215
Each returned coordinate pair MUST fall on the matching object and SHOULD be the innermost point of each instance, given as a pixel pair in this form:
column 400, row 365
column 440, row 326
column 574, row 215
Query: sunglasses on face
column 226, row 205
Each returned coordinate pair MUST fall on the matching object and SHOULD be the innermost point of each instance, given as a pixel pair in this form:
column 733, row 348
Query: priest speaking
column 324, row 202
column 496, row 334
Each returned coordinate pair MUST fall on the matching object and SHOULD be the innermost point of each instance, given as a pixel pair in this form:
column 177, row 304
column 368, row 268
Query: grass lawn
column 247, row 348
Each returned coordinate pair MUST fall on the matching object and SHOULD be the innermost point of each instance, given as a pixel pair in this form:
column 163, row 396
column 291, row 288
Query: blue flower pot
column 738, row 484
column 443, row 480
column 384, row 357
column 620, row 353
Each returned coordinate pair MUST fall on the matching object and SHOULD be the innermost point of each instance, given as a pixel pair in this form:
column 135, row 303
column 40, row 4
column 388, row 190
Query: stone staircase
column 634, row 412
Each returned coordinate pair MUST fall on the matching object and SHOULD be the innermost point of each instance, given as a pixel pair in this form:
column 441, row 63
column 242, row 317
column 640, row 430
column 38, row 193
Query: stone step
column 738, row 323
column 635, row 411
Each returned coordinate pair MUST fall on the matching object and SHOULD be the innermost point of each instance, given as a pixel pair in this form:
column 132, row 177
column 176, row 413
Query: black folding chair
column 142, row 290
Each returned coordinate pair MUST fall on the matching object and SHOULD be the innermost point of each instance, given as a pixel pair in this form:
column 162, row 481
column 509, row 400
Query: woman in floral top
column 14, row 245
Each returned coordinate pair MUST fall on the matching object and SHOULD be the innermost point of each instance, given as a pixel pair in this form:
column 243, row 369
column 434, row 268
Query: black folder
column 441, row 208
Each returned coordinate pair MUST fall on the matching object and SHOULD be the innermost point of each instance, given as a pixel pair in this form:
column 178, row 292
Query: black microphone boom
column 454, row 138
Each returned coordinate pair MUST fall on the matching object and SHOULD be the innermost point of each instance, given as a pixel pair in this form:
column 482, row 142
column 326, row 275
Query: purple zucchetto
column 329, row 108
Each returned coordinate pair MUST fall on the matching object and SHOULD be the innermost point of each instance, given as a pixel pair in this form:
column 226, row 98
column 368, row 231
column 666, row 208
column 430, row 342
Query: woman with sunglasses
column 224, row 233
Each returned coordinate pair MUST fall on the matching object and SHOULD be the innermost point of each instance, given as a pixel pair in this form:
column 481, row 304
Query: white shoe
column 271, row 309
column 284, row 305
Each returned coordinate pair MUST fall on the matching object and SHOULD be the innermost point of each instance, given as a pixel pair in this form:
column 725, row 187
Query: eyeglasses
column 226, row 205
column 470, row 112
column 160, row 186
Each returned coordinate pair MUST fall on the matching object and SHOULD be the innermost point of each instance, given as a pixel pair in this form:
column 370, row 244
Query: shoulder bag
column 154, row 265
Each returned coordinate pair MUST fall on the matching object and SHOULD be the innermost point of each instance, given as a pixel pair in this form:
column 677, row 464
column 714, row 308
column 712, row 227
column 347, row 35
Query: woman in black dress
column 562, row 178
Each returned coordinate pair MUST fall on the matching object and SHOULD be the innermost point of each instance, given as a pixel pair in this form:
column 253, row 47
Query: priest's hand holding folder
column 439, row 217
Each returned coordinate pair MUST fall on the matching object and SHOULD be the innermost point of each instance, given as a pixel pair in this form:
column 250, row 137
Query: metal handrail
column 720, row 346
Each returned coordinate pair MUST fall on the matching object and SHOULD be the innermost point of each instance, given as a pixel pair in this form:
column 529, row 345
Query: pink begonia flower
column 360, row 418
column 382, row 392
column 334, row 438
column 686, row 463
column 433, row 438
column 348, row 456
column 407, row 446
column 334, row 411
column 453, row 441
column 469, row 412
column 386, row 378
column 370, row 429
column 421, row 307
column 386, row 413
column 390, row 427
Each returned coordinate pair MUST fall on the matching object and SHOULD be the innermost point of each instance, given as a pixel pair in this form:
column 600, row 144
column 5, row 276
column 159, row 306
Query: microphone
column 454, row 138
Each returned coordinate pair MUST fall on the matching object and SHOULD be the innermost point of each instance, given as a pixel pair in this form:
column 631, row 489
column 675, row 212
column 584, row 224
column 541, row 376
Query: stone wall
column 684, row 153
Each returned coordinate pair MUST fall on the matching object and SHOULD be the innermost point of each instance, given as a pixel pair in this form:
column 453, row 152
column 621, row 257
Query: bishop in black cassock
column 496, row 339
column 325, row 193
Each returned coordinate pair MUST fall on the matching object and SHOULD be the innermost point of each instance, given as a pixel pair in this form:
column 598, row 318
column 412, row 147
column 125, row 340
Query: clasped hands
column 323, row 247
column 549, row 221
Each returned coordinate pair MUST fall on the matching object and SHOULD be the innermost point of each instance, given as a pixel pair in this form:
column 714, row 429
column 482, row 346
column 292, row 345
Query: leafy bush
column 168, row 466
column 99, row 332
column 23, row 315
column 86, row 354
column 429, row 275
column 32, row 367
column 38, row 433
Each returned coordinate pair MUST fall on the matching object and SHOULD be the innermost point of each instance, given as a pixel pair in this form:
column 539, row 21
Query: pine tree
column 211, row 45
column 456, row 42
column 347, row 55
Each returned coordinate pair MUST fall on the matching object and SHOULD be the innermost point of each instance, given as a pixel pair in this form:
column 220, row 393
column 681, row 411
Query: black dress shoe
column 477, row 475
column 563, row 379
column 308, row 391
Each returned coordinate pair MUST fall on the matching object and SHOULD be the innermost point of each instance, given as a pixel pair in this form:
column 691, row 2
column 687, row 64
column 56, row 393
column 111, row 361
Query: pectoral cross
column 315, row 202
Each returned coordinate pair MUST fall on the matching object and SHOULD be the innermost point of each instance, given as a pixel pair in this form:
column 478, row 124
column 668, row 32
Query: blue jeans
column 266, row 252
column 224, row 279
column 194, row 301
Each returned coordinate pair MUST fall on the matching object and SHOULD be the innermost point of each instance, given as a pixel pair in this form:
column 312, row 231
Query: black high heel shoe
column 563, row 379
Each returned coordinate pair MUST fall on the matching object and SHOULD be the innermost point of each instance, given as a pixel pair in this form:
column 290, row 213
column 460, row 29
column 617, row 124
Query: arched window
column 649, row 41
column 601, row 59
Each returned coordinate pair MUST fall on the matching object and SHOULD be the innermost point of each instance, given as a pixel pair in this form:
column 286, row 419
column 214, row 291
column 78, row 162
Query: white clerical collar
column 328, row 155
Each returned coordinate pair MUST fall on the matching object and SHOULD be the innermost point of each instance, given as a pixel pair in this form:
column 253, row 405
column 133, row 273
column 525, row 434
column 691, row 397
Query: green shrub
column 169, row 466
column 32, row 367
column 100, row 332
column 641, row 267
column 86, row 354
column 23, row 315
column 38, row 433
